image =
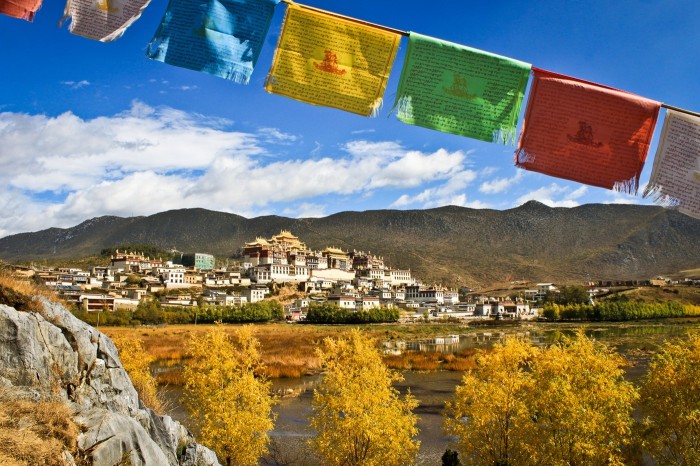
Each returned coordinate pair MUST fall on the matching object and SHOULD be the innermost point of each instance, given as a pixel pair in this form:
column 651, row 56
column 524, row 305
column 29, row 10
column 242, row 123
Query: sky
column 90, row 129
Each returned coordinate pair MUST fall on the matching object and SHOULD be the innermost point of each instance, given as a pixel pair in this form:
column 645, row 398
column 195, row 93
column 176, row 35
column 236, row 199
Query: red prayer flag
column 22, row 9
column 585, row 132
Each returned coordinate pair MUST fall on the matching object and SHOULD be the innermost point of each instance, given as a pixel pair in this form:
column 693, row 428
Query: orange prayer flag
column 585, row 132
column 22, row 9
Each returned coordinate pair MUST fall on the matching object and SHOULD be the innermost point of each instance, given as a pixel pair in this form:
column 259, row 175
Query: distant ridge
column 450, row 245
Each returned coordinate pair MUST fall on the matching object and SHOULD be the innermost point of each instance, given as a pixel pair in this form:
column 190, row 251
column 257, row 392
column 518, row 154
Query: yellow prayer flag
column 325, row 60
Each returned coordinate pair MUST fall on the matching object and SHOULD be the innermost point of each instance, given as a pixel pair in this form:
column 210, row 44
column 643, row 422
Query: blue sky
column 90, row 129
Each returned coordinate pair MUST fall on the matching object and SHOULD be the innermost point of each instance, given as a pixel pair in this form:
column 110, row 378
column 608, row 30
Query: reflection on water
column 636, row 342
column 292, row 429
column 615, row 335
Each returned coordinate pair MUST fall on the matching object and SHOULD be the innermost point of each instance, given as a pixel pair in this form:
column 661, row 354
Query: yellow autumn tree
column 137, row 362
column 580, row 405
column 360, row 419
column 227, row 396
column 671, row 404
column 490, row 417
column 564, row 405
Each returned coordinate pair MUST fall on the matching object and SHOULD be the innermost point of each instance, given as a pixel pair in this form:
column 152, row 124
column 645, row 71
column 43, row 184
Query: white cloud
column 401, row 168
column 580, row 192
column 76, row 84
column 448, row 193
column 61, row 170
column 488, row 171
column 306, row 210
column 499, row 185
column 274, row 135
column 477, row 205
column 547, row 195
column 616, row 197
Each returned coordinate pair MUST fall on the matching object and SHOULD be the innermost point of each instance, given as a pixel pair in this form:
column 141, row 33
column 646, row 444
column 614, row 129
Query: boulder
column 54, row 355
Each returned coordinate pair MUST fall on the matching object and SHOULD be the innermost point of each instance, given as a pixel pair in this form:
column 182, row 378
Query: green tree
column 148, row 311
column 360, row 419
column 670, row 429
column 133, row 279
column 227, row 398
column 490, row 416
column 571, row 294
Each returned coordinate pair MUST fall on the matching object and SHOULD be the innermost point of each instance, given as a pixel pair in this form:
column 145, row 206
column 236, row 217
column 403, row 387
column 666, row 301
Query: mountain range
column 455, row 246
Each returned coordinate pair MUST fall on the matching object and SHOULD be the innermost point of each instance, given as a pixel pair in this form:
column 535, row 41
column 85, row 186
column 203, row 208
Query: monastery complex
column 284, row 258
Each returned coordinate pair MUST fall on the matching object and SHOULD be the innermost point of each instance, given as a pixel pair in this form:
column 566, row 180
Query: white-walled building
column 344, row 301
column 254, row 294
column 173, row 277
column 367, row 302
column 431, row 295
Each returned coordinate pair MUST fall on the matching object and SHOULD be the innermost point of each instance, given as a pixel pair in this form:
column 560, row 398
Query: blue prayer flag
column 219, row 37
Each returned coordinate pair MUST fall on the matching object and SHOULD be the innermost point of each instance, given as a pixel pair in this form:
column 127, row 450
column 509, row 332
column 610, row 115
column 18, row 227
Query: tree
column 574, row 294
column 581, row 405
column 149, row 311
column 565, row 405
column 360, row 419
column 227, row 397
column 671, row 404
column 490, row 416
column 133, row 279
column 137, row 363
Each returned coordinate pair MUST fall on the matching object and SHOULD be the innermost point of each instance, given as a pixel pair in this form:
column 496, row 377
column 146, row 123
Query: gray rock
column 33, row 352
column 112, row 437
column 54, row 355
column 197, row 455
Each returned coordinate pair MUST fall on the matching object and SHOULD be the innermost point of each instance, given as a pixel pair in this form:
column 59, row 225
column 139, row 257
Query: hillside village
column 352, row 280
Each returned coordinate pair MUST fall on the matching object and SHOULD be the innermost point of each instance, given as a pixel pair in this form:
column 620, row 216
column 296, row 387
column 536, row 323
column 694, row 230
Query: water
column 289, row 439
column 292, row 430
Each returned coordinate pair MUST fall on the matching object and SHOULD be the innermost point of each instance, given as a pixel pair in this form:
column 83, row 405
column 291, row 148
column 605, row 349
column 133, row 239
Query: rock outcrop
column 54, row 355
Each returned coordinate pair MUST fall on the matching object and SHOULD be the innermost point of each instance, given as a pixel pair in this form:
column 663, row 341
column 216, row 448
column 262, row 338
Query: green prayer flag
column 460, row 90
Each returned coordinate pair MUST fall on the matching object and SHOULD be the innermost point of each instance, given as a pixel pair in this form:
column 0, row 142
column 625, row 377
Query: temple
column 285, row 258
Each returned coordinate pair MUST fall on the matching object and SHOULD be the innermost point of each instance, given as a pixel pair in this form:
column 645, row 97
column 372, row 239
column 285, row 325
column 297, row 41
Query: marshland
column 431, row 357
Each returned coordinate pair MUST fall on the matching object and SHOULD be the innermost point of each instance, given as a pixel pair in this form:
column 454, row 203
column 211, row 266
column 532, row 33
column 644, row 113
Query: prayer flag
column 103, row 20
column 219, row 37
column 586, row 132
column 22, row 9
column 459, row 90
column 675, row 177
column 322, row 59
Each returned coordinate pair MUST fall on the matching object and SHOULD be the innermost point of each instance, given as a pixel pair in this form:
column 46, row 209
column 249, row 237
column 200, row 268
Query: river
column 636, row 342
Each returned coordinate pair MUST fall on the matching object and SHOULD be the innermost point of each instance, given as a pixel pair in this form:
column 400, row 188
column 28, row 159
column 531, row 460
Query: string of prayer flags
column 460, row 90
column 219, row 37
column 326, row 60
column 103, row 20
column 675, row 176
column 586, row 132
column 21, row 9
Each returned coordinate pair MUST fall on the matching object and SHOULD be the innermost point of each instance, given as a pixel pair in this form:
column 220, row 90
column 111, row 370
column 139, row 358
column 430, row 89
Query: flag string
column 406, row 34
column 680, row 110
column 348, row 18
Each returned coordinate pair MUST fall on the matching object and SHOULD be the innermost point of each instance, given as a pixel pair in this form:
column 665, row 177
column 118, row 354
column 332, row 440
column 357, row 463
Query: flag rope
column 680, row 110
column 349, row 18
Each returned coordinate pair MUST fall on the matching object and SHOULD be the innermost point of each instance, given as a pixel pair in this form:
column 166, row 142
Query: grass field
column 289, row 349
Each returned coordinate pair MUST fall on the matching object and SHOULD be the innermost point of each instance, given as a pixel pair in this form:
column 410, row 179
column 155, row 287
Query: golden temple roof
column 334, row 250
column 258, row 242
